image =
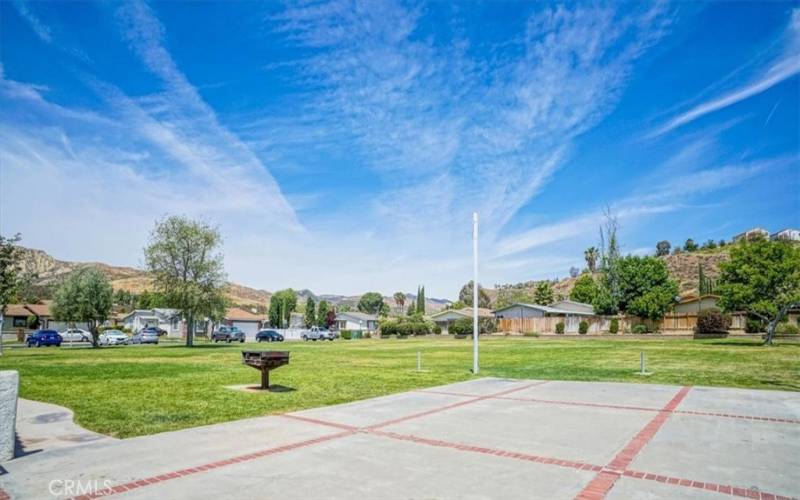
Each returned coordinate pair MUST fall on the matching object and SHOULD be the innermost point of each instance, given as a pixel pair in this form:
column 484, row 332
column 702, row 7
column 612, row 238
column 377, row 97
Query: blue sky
column 342, row 146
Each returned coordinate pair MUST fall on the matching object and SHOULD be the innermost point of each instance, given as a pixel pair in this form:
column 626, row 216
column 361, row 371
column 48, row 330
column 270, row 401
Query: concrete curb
column 9, row 390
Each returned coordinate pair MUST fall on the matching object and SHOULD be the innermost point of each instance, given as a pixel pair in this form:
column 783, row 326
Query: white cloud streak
column 785, row 66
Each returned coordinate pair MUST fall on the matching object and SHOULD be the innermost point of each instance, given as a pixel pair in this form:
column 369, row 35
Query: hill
column 51, row 270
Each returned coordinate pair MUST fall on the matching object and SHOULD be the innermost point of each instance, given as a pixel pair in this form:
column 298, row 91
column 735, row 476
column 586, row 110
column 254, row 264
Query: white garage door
column 250, row 328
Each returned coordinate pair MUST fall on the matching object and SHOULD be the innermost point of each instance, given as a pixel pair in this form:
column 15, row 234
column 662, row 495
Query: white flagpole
column 475, row 292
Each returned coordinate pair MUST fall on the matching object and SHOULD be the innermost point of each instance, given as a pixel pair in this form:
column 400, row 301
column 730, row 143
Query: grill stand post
column 265, row 379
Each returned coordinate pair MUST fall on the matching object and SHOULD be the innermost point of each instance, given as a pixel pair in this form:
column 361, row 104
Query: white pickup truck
column 317, row 333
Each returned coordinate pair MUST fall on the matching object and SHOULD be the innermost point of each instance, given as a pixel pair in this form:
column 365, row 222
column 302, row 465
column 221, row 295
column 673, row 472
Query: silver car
column 145, row 337
column 113, row 337
column 75, row 335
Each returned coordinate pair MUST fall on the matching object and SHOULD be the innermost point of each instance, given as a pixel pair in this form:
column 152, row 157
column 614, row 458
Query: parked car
column 145, row 336
column 76, row 335
column 317, row 333
column 269, row 336
column 154, row 329
column 228, row 334
column 113, row 337
column 44, row 337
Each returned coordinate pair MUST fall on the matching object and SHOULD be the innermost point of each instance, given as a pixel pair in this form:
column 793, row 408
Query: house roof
column 17, row 310
column 464, row 311
column 358, row 316
column 546, row 309
column 41, row 310
column 237, row 314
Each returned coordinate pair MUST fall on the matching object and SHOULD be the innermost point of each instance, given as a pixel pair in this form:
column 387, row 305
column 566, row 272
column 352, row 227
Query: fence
column 671, row 323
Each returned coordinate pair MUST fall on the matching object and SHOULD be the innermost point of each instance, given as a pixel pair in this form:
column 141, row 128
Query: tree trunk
column 190, row 331
column 93, row 330
column 773, row 325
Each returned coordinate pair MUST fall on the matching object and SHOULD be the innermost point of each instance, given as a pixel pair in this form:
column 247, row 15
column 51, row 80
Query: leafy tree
column 371, row 303
column 150, row 300
column 466, row 294
column 421, row 301
column 344, row 307
column 185, row 260
column 574, row 272
column 761, row 278
column 610, row 255
column 400, row 300
column 705, row 285
column 511, row 294
column 646, row 289
column 544, row 293
column 330, row 318
column 690, row 246
column 412, row 308
column 604, row 303
column 10, row 262
column 310, row 313
column 591, row 255
column 85, row 296
column 281, row 306
column 709, row 245
column 721, row 243
column 662, row 248
column 584, row 290
column 322, row 313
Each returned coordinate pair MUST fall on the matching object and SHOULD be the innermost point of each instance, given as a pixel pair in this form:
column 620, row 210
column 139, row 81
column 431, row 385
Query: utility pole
column 475, row 293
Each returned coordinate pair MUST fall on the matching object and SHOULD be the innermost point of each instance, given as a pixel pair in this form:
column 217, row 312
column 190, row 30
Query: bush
column 560, row 327
column 753, row 325
column 583, row 327
column 530, row 334
column 640, row 329
column 367, row 335
column 409, row 325
column 787, row 329
column 614, row 326
column 712, row 321
column 463, row 326
column 346, row 334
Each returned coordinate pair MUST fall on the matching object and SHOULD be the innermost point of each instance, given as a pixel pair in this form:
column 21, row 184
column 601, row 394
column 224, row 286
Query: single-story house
column 246, row 321
column 786, row 234
column 166, row 319
column 15, row 319
column 520, row 310
column 756, row 232
column 571, row 305
column 447, row 317
column 694, row 304
column 356, row 321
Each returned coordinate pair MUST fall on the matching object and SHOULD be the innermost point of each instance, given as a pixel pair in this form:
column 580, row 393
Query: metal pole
column 475, row 292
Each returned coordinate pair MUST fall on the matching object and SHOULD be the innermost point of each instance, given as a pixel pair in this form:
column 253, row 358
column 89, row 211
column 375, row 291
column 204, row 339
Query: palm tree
column 400, row 300
column 591, row 255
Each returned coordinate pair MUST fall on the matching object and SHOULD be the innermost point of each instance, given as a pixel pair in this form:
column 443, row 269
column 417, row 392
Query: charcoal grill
column 265, row 361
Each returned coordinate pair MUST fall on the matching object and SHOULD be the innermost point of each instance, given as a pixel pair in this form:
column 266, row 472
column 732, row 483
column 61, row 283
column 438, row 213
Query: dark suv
column 227, row 334
column 44, row 337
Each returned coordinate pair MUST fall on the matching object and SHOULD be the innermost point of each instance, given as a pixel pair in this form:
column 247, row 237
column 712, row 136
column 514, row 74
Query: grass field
column 134, row 390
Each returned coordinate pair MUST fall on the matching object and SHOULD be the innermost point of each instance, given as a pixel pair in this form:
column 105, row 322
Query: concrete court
column 485, row 438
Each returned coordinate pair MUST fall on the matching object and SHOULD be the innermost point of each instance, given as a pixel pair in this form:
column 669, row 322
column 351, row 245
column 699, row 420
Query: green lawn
column 134, row 390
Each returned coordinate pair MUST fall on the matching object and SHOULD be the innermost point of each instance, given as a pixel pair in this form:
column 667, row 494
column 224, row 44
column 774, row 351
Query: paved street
column 486, row 438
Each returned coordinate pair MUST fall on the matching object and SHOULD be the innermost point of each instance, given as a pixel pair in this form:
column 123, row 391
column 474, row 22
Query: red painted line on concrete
column 488, row 451
column 739, row 416
column 604, row 481
column 760, row 418
column 690, row 483
column 458, row 404
column 317, row 421
column 139, row 483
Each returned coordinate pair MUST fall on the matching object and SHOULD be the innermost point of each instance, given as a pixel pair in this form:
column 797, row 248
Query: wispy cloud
column 783, row 67
column 38, row 27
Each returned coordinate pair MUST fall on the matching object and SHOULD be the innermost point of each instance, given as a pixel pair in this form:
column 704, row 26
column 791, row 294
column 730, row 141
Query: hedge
column 712, row 321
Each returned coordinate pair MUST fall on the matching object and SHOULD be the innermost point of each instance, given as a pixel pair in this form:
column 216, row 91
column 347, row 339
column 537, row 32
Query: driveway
column 485, row 438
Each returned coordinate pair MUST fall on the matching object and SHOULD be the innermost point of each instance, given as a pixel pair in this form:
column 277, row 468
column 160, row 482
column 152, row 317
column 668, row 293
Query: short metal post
column 265, row 378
